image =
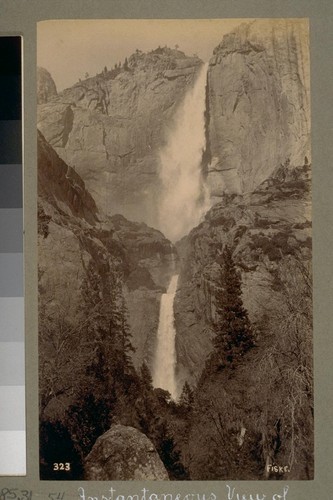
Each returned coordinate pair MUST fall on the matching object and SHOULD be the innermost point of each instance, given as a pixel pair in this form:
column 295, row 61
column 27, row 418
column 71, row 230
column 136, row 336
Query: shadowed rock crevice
column 68, row 125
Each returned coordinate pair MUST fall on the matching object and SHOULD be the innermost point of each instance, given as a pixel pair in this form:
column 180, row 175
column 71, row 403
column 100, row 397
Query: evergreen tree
column 233, row 332
column 126, row 64
column 169, row 454
column 147, row 405
column 125, row 334
column 186, row 399
column 106, row 331
column 106, row 391
column 146, row 378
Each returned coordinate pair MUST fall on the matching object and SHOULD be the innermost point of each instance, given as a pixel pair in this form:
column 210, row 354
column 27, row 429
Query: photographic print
column 174, row 250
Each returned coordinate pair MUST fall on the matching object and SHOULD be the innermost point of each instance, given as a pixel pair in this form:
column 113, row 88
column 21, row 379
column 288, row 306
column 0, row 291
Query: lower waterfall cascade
column 164, row 371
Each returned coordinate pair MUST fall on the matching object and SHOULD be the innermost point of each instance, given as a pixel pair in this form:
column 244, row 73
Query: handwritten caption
column 144, row 494
column 233, row 495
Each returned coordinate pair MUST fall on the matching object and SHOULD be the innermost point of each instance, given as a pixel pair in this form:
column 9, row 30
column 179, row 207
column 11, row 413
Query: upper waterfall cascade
column 165, row 359
column 184, row 198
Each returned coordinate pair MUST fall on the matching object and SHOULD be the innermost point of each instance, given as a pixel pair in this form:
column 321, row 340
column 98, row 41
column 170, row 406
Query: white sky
column 70, row 48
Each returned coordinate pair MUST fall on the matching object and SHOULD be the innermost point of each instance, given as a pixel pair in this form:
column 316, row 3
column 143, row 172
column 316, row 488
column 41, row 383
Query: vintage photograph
column 175, row 250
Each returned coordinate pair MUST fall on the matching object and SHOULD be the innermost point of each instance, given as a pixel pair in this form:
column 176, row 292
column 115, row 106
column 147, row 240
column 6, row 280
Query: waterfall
column 165, row 358
column 184, row 198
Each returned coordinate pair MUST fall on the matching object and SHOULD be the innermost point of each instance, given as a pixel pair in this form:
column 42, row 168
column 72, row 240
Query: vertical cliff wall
column 257, row 166
column 258, row 104
column 72, row 234
column 264, row 229
column 110, row 128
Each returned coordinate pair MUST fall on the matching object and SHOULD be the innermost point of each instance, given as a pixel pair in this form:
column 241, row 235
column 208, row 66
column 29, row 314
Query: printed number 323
column 62, row 466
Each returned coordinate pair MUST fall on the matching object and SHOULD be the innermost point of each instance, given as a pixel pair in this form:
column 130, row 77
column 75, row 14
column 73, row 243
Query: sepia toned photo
column 175, row 250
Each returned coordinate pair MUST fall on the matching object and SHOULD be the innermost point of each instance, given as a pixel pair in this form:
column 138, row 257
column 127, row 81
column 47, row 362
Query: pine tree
column 233, row 332
column 186, row 399
column 106, row 390
column 146, row 378
column 146, row 404
column 120, row 356
column 169, row 454
column 107, row 329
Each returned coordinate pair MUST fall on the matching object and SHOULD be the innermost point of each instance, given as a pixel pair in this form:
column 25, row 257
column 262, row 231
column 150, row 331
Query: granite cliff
column 110, row 128
column 264, row 229
column 99, row 187
column 108, row 131
column 258, row 104
column 72, row 233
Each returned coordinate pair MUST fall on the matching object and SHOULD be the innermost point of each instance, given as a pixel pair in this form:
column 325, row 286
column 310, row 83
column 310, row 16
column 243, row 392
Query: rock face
column 122, row 454
column 149, row 261
column 105, row 135
column 61, row 186
column 262, row 228
column 72, row 233
column 258, row 104
column 46, row 88
column 110, row 128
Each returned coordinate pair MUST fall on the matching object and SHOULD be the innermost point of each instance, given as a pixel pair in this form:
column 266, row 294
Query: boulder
column 123, row 453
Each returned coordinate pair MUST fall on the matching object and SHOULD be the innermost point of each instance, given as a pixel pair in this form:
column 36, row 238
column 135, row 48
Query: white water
column 183, row 202
column 165, row 358
column 184, row 198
